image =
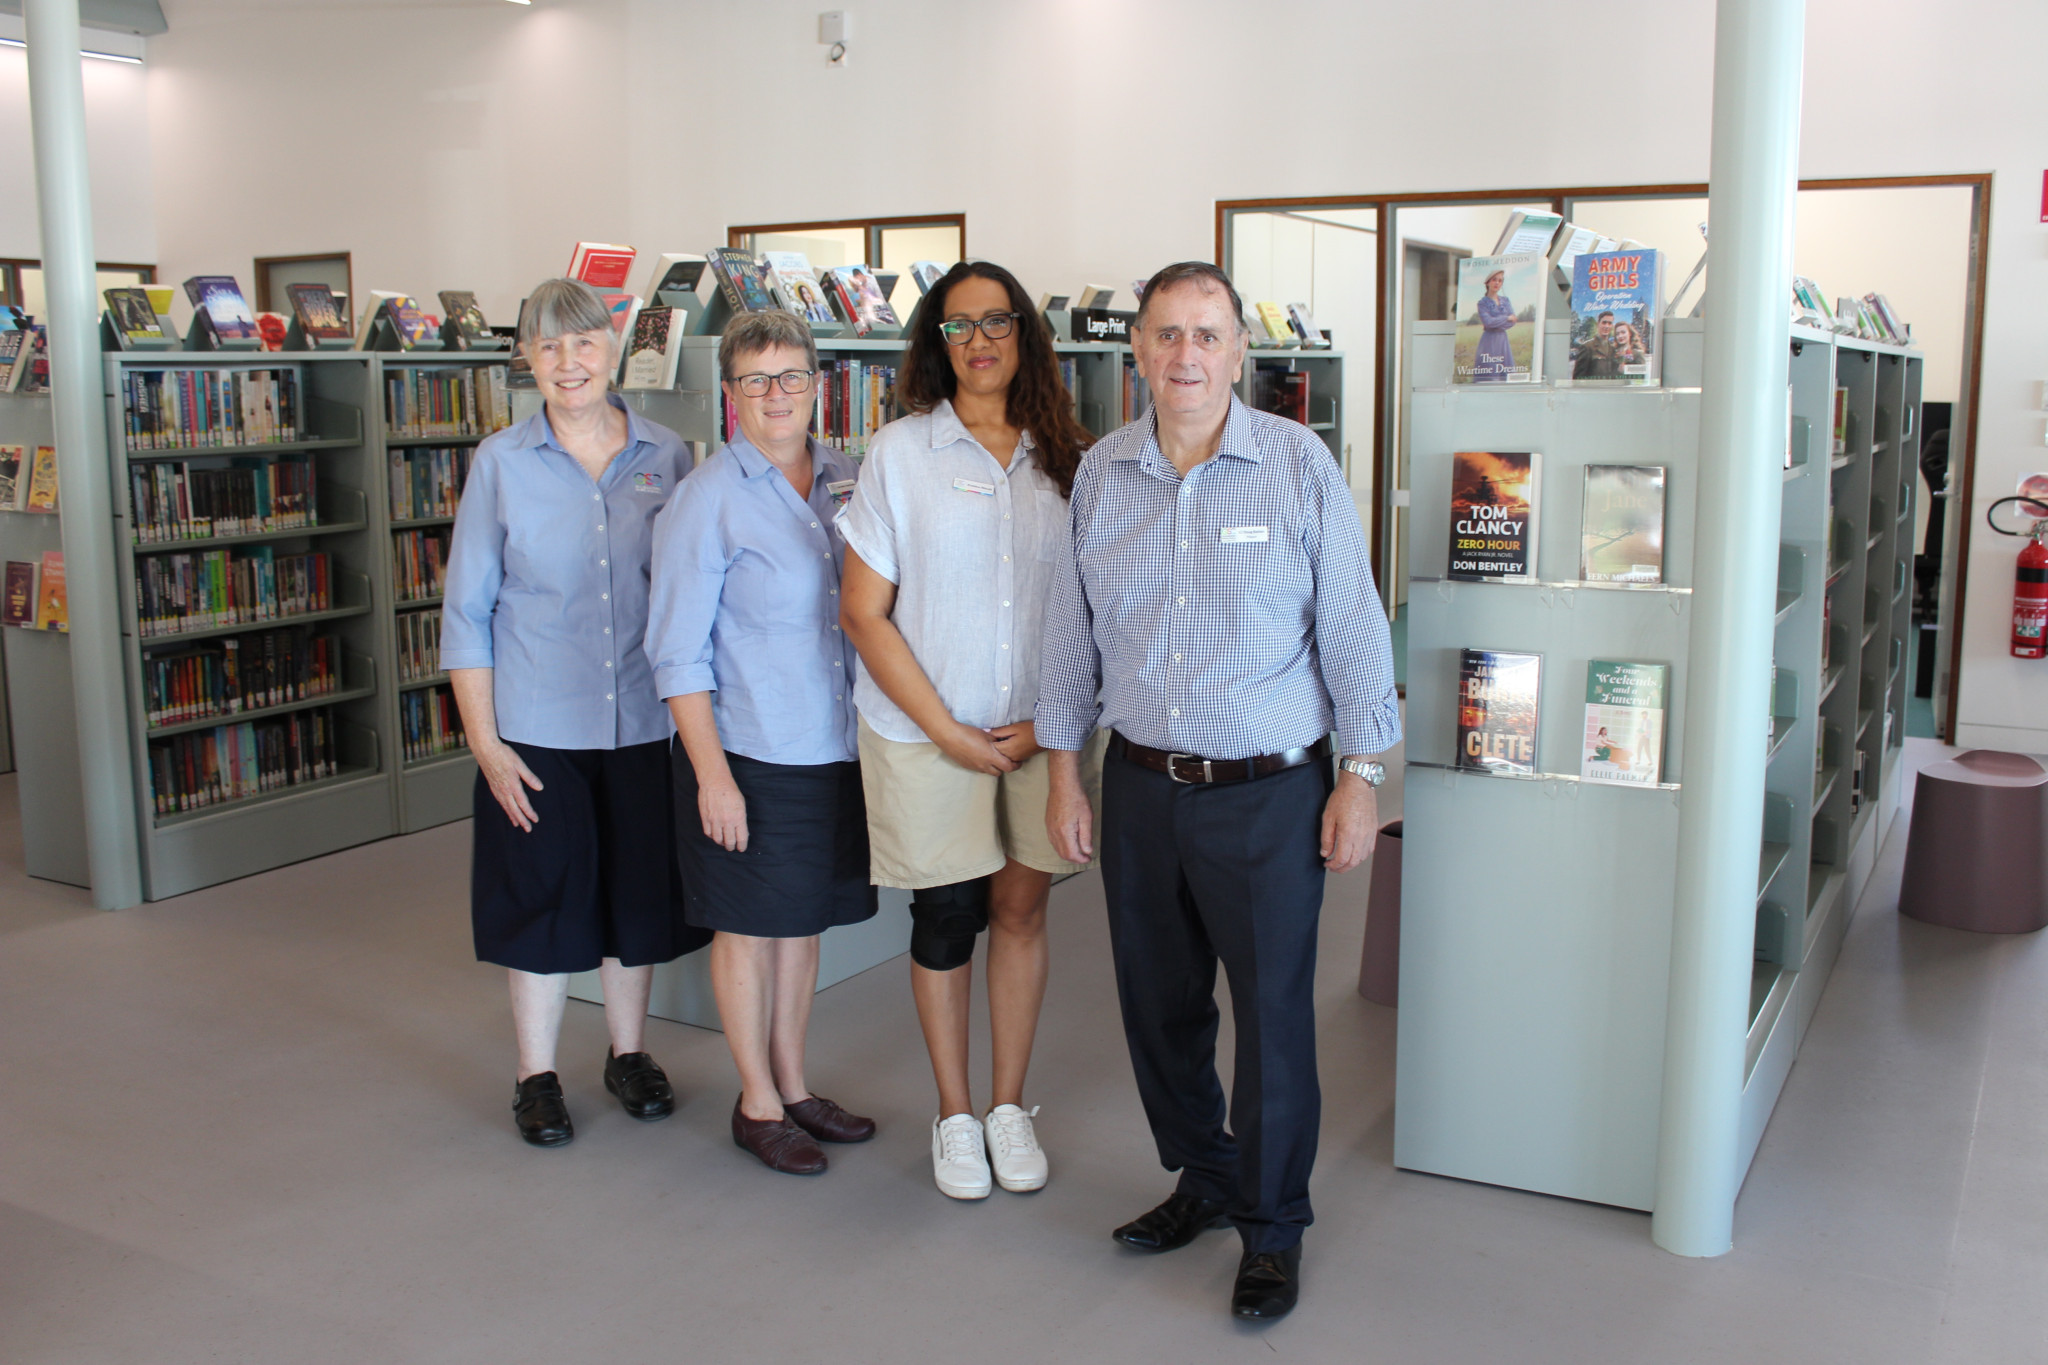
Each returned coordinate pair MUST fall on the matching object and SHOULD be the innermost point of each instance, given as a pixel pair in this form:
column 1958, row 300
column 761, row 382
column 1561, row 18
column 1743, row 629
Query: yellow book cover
column 53, row 611
column 42, row 481
column 1275, row 321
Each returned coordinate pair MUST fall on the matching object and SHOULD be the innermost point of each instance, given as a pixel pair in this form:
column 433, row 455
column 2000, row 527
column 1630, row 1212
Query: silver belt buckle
column 1207, row 774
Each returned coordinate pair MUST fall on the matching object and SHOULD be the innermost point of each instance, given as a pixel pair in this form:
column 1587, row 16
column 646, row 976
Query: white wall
column 468, row 144
column 117, row 139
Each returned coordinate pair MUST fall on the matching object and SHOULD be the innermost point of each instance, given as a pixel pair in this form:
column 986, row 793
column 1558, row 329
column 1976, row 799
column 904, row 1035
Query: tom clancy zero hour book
column 1624, row 739
column 1617, row 298
column 1621, row 531
column 1498, row 696
column 1494, row 497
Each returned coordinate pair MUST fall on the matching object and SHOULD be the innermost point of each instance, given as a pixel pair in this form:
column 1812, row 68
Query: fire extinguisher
column 2030, row 585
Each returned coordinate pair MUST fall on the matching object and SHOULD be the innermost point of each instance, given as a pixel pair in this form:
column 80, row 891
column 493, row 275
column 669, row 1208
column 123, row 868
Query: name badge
column 647, row 483
column 1244, row 535
column 987, row 490
column 841, row 490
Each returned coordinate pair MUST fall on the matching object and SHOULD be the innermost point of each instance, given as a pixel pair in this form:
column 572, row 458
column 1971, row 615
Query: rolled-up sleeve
column 1354, row 648
column 476, row 571
column 688, row 577
column 1070, row 665
column 869, row 524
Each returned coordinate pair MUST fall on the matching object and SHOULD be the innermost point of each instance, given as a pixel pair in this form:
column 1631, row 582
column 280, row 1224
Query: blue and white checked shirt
column 1228, row 614
column 547, row 584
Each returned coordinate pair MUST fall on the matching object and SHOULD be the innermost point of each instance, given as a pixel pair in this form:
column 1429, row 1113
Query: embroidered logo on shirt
column 841, row 490
column 987, row 490
column 1244, row 535
column 647, row 483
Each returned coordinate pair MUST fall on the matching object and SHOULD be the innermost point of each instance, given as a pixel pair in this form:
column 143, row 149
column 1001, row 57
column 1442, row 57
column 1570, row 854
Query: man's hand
column 1069, row 823
column 1350, row 822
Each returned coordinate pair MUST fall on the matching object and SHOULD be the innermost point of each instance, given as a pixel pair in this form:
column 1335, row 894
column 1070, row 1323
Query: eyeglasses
column 792, row 381
column 960, row 331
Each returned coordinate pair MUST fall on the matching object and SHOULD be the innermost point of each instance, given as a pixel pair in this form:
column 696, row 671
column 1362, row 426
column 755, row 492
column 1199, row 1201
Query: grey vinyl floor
column 268, row 1123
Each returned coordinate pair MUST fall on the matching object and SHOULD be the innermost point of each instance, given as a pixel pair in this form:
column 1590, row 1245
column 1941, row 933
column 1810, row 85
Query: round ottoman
column 1977, row 853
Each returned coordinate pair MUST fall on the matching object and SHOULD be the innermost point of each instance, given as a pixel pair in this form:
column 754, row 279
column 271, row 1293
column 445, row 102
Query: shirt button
column 1181, row 600
column 1007, row 646
column 604, row 596
column 839, row 696
column 1006, row 687
column 1176, row 710
column 602, row 563
column 1006, row 516
column 1176, row 658
column 608, row 630
column 607, row 663
column 814, row 526
column 608, row 696
column 1183, row 545
column 835, row 663
column 1006, row 604
column 1006, row 559
column 835, row 592
column 600, row 526
column 597, row 497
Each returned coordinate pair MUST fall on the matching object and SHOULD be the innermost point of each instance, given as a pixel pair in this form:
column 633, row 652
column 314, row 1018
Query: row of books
column 451, row 400
column 426, row 481
column 1284, row 392
column 33, row 596
column 1496, row 496
column 1870, row 318
column 854, row 399
column 1136, row 395
column 240, row 673
column 430, row 723
column 28, row 483
column 174, row 500
column 1294, row 323
column 172, row 409
column 232, row 762
column 1500, row 709
column 181, row 592
column 419, row 645
column 419, row 563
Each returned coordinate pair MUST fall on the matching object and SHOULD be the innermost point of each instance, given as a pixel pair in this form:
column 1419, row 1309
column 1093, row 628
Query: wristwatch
column 1373, row 773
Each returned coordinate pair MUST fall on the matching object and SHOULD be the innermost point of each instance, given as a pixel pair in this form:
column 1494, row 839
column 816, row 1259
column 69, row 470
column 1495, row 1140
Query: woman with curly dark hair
column 953, row 533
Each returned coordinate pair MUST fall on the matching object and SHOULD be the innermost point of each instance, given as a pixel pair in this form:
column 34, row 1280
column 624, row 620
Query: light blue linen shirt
column 547, row 584
column 746, row 605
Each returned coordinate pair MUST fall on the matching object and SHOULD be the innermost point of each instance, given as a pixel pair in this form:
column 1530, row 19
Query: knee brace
column 944, row 921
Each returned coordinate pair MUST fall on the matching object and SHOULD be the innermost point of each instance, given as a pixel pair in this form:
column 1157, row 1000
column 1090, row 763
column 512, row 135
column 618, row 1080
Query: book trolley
column 1536, row 912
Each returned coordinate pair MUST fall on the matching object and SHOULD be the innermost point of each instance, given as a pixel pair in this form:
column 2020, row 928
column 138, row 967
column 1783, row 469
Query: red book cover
column 601, row 265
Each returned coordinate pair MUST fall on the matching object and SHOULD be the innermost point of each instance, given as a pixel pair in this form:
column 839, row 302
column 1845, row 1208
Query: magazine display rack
column 1534, row 977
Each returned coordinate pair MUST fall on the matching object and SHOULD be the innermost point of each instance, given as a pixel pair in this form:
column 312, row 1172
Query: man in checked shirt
column 1218, row 598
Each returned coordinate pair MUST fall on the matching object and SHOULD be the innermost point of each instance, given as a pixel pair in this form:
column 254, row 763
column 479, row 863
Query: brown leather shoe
column 781, row 1145
column 827, row 1122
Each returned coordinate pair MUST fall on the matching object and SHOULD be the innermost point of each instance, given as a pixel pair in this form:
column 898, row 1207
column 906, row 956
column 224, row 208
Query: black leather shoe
column 1173, row 1224
column 1268, row 1284
column 642, row 1087
column 538, row 1110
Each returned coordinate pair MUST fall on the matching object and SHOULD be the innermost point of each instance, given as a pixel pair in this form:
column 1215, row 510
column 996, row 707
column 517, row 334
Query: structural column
column 84, row 475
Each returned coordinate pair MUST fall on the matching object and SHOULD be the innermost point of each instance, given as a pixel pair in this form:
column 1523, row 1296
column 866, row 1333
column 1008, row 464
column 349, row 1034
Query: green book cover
column 1625, row 709
column 1622, row 524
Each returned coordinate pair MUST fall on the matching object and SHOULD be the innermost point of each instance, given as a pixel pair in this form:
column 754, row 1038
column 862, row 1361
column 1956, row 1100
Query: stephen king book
column 1621, row 532
column 1494, row 497
column 1498, row 696
column 1624, row 739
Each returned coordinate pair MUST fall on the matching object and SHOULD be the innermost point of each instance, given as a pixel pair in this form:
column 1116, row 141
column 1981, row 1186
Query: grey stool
column 1379, row 966
column 1977, row 855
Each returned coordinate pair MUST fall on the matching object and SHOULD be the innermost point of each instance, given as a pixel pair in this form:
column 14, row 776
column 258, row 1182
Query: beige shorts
column 931, row 822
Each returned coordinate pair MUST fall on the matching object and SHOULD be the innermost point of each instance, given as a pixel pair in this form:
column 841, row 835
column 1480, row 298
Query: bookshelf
column 1533, row 1001
column 1322, row 371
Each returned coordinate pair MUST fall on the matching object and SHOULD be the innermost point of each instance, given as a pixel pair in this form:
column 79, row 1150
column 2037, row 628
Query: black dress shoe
column 1268, row 1284
column 538, row 1110
column 1173, row 1224
column 642, row 1087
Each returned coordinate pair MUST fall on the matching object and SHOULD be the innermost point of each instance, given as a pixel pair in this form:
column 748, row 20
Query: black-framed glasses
column 792, row 381
column 960, row 331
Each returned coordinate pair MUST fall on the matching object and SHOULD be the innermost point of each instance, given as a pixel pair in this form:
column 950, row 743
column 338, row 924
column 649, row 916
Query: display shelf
column 361, row 607
column 1824, row 784
column 416, row 683
column 1771, row 860
column 335, row 698
column 164, row 547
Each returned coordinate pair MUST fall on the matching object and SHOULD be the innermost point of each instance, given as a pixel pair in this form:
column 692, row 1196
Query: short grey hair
column 562, row 307
column 749, row 334
column 1201, row 273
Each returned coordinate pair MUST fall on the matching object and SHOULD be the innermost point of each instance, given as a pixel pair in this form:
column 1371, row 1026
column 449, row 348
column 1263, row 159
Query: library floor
column 269, row 1122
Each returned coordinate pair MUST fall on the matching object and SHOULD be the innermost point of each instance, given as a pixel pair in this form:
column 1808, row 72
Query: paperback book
column 1501, row 304
column 656, row 346
column 218, row 299
column 1305, row 325
column 18, row 597
column 133, row 316
column 861, row 299
column 1617, row 299
column 739, row 279
column 272, row 329
column 925, row 274
column 1621, row 528
column 1274, row 319
column 53, row 611
column 674, row 270
column 1624, row 739
column 13, row 483
column 1527, row 232
column 317, row 311
column 413, row 326
column 460, row 307
column 41, row 495
column 797, row 285
column 1498, row 702
column 601, row 265
column 1494, row 501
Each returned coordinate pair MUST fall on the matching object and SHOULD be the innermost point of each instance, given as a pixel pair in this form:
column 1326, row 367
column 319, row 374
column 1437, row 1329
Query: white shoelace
column 960, row 1142
column 1013, row 1132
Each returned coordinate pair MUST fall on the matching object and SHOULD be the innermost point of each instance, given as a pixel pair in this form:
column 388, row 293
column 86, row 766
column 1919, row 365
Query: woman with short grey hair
column 771, row 819
column 573, row 865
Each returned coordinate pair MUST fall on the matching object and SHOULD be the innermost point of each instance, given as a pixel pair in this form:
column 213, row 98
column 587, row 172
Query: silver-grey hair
column 1200, row 273
column 749, row 334
column 561, row 308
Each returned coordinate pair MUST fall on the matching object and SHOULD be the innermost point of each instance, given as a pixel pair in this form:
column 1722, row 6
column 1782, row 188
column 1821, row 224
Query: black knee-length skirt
column 805, row 868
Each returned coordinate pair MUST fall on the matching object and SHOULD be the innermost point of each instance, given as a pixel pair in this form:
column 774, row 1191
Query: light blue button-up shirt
column 547, row 584
column 746, row 605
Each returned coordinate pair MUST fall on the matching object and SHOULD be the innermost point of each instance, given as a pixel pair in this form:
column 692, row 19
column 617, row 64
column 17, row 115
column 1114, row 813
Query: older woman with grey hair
column 771, row 822
column 545, row 610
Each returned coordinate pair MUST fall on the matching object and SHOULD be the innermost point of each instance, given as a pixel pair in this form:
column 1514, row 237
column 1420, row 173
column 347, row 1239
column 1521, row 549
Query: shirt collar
column 825, row 460
column 948, row 428
column 536, row 431
column 1237, row 442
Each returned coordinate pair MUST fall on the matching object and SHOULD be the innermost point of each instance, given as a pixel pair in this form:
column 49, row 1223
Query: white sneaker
column 959, row 1164
column 1013, row 1149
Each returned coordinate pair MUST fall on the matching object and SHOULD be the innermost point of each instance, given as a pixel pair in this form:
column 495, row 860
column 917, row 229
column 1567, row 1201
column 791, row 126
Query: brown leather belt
column 1193, row 768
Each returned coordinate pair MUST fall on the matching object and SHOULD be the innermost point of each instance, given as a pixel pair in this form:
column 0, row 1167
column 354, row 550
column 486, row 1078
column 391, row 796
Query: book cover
column 1305, row 325
column 1095, row 296
column 624, row 311
column 272, row 328
column 1498, row 701
column 1621, row 528
column 1494, row 498
column 651, row 357
column 413, row 325
column 925, row 274
column 1841, row 429
column 460, row 307
column 1624, row 739
column 798, row 285
column 1617, row 299
column 317, row 310
column 18, row 597
column 858, row 286
column 220, row 299
column 52, row 609
column 377, row 308
column 42, row 481
column 739, row 279
column 1528, row 232
column 132, row 313
column 601, row 265
column 1501, row 302
column 1274, row 320
column 676, row 270
column 13, row 486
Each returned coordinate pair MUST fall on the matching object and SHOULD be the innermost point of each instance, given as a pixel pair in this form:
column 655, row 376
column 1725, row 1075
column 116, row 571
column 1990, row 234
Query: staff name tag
column 987, row 490
column 841, row 490
column 1244, row 535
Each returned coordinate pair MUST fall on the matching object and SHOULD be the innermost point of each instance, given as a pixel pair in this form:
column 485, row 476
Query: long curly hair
column 1038, row 403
